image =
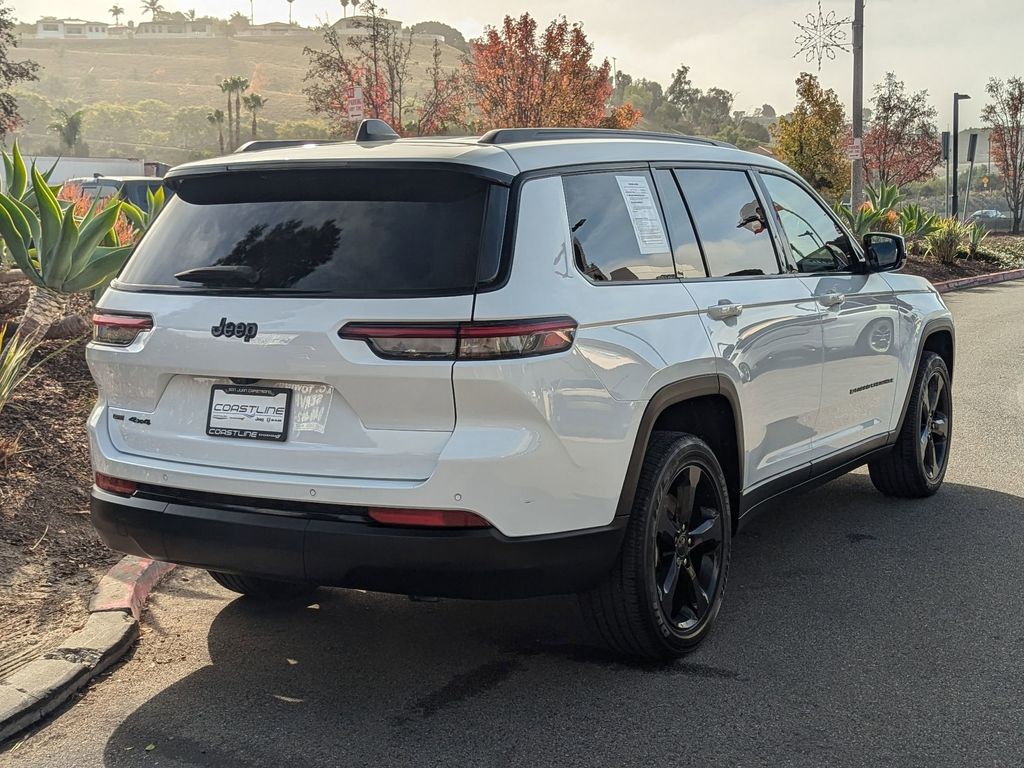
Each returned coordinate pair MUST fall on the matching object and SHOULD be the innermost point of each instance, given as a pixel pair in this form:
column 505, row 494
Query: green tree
column 810, row 139
column 11, row 73
column 239, row 86
column 216, row 117
column 153, row 7
column 253, row 104
column 68, row 127
column 117, row 12
column 452, row 36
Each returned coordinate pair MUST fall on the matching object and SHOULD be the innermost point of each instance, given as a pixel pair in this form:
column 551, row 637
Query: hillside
column 183, row 75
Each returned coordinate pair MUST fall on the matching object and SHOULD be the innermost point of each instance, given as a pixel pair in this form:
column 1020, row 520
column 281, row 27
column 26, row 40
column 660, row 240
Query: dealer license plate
column 249, row 413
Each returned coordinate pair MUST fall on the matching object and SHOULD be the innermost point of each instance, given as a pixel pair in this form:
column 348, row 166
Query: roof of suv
column 503, row 159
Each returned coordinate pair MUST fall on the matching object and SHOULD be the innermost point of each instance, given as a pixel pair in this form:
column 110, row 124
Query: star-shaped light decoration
column 821, row 36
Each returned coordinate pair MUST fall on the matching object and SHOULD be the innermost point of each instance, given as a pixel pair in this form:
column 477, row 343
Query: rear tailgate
column 297, row 255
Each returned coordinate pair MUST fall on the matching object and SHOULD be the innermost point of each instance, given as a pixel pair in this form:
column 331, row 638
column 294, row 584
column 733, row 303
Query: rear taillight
column 115, row 485
column 465, row 341
column 119, row 330
column 427, row 518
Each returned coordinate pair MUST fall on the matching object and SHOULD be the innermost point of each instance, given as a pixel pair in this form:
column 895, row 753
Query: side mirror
column 886, row 252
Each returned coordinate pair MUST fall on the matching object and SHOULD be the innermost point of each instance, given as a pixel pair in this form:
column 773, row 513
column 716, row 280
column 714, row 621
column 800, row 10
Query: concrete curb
column 41, row 686
column 972, row 282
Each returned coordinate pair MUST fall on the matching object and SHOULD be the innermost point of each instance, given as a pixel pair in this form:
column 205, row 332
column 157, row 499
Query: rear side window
column 730, row 222
column 333, row 232
column 617, row 230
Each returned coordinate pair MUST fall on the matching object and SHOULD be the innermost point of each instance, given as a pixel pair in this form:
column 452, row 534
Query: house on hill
column 275, row 28
column 174, row 28
column 71, row 29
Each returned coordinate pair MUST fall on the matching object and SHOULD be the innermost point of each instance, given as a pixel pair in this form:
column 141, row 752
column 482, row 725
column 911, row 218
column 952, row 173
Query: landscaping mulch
column 997, row 254
column 50, row 556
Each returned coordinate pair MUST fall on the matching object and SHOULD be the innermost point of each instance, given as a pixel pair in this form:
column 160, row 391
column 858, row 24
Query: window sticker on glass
column 643, row 212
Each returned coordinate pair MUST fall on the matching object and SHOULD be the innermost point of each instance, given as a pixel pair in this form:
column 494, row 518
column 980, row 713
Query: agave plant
column 865, row 219
column 916, row 223
column 884, row 198
column 58, row 252
column 976, row 234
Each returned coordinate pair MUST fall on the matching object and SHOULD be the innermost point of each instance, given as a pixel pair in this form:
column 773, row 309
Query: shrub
column 976, row 234
column 946, row 242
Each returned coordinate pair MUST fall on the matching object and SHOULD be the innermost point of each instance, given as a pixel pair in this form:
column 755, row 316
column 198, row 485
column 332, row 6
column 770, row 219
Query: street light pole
column 957, row 98
column 857, row 186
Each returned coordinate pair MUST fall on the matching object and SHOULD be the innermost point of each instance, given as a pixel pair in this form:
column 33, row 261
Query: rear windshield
column 333, row 232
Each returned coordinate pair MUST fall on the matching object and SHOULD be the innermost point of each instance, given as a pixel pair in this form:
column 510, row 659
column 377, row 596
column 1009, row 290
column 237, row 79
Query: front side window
column 816, row 242
column 730, row 221
column 617, row 230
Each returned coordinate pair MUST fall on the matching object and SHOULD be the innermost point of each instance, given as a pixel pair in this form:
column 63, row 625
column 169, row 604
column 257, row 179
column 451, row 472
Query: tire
column 637, row 609
column 262, row 589
column 916, row 466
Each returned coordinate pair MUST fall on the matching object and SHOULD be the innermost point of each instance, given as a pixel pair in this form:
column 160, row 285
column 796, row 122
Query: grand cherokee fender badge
column 244, row 331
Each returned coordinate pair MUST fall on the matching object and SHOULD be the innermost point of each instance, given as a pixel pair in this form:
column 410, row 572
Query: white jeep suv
column 539, row 361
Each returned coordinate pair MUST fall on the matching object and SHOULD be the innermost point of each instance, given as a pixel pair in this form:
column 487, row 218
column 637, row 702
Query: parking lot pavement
column 857, row 631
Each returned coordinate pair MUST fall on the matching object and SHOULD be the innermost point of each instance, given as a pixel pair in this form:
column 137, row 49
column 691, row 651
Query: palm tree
column 190, row 14
column 241, row 86
column 117, row 12
column 253, row 104
column 68, row 127
column 290, row 10
column 227, row 85
column 216, row 117
column 344, row 7
column 152, row 6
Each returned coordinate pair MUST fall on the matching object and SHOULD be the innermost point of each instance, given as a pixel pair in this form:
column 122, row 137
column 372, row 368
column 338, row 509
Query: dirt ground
column 50, row 557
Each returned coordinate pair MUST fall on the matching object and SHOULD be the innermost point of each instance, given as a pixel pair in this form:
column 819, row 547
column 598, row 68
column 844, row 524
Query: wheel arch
column 705, row 406
column 938, row 336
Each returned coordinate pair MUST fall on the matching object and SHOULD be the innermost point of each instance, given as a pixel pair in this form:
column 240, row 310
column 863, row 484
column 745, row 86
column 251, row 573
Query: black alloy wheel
column 663, row 594
column 688, row 548
column 934, row 425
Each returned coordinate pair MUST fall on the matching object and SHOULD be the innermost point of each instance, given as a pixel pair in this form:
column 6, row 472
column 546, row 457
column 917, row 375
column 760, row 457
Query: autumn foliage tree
column 1005, row 113
column 522, row 79
column 379, row 62
column 902, row 142
column 809, row 139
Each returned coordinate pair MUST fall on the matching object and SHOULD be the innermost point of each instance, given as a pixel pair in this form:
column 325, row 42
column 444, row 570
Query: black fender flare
column 672, row 394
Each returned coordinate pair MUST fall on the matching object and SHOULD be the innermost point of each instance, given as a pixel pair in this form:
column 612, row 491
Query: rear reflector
column 119, row 330
column 465, row 341
column 428, row 518
column 115, row 485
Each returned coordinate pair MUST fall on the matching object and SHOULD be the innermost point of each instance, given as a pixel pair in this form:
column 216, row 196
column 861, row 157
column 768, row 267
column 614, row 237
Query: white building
column 273, row 28
column 173, row 28
column 71, row 29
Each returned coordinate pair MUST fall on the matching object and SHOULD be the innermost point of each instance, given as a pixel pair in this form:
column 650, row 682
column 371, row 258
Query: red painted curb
column 971, row 282
column 127, row 585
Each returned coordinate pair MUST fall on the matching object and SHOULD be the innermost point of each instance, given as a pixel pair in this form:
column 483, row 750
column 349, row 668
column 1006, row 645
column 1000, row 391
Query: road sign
column 856, row 150
column 355, row 103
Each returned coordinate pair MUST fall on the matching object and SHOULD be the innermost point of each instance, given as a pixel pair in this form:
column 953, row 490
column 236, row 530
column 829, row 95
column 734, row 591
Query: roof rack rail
column 518, row 135
column 258, row 145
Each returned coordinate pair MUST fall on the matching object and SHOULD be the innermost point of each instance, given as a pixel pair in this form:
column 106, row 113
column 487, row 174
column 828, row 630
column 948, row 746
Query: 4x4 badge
column 244, row 331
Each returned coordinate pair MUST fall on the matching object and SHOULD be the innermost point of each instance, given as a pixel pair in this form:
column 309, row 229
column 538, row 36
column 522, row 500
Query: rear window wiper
column 233, row 275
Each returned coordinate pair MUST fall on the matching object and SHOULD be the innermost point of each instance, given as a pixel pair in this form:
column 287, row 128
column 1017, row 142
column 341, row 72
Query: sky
column 744, row 46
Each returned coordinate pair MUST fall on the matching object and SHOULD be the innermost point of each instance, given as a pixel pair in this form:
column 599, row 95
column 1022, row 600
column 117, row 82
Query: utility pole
column 957, row 98
column 857, row 187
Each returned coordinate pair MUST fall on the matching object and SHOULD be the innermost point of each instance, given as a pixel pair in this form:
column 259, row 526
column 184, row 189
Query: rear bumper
column 471, row 563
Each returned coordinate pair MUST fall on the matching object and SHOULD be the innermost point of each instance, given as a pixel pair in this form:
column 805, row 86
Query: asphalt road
column 857, row 631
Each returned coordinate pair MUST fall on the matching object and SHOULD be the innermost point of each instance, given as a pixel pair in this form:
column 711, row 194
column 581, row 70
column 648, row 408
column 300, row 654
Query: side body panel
column 862, row 357
column 772, row 354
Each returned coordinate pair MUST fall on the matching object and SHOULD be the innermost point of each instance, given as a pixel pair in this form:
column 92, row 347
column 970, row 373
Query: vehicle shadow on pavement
column 844, row 631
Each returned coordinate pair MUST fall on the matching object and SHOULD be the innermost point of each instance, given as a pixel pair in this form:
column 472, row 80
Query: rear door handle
column 724, row 309
column 832, row 299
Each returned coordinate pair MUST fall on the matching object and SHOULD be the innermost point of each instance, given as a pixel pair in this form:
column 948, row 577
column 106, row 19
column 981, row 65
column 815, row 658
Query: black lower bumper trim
column 471, row 563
